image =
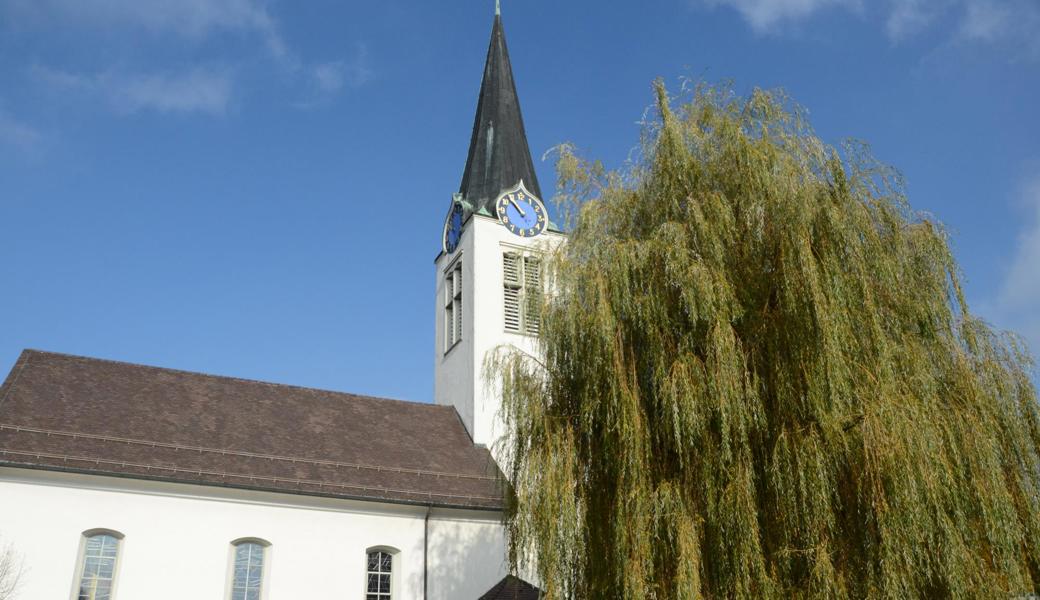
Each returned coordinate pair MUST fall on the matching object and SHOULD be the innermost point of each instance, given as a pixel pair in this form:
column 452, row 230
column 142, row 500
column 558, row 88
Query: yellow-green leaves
column 761, row 379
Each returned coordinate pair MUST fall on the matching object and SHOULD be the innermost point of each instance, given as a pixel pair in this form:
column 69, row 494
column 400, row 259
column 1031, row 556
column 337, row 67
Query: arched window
column 247, row 575
column 97, row 567
column 380, row 574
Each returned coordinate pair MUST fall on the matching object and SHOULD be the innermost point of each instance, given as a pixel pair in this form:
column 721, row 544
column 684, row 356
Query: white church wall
column 491, row 240
column 178, row 538
column 453, row 381
column 458, row 374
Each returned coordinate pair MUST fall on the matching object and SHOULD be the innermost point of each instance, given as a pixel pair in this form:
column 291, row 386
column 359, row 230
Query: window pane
column 98, row 568
column 108, row 546
column 384, row 584
column 248, row 571
column 386, row 558
column 106, row 568
column 373, row 582
column 94, row 545
column 373, row 561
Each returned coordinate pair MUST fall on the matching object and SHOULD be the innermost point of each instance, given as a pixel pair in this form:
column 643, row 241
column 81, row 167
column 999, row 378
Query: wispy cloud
column 766, row 16
column 18, row 135
column 192, row 18
column 1014, row 24
column 195, row 90
column 1018, row 303
column 187, row 18
column 168, row 90
column 909, row 17
column 328, row 79
column 1010, row 23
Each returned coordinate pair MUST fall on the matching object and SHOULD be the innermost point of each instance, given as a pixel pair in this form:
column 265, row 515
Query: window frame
column 453, row 305
column 265, row 569
column 395, row 571
column 81, row 559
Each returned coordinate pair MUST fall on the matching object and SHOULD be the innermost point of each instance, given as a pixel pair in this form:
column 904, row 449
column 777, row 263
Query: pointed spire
column 499, row 157
column 498, row 8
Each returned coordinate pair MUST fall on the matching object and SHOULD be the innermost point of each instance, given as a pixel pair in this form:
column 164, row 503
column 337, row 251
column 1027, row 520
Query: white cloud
column 196, row 90
column 766, row 15
column 17, row 134
column 985, row 20
column 907, row 17
column 1019, row 299
column 331, row 76
column 183, row 17
column 328, row 79
column 187, row 18
column 1012, row 24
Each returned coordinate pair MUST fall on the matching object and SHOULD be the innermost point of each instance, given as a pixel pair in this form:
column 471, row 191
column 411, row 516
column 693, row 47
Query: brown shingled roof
column 61, row 412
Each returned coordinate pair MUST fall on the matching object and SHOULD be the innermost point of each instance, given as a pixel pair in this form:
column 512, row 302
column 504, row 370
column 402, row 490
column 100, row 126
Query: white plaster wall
column 452, row 371
column 177, row 539
column 459, row 374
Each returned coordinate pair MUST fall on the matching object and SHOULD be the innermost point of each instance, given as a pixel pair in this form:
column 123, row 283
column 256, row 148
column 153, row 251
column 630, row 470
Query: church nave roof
column 71, row 413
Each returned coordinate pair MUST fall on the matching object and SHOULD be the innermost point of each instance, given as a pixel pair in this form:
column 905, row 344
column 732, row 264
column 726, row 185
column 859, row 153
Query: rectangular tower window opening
column 522, row 293
column 453, row 306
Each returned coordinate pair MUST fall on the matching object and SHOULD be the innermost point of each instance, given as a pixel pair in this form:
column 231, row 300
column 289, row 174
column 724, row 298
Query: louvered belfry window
column 453, row 306
column 522, row 293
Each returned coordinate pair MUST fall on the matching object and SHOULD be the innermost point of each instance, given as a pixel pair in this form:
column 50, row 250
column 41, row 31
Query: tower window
column 98, row 566
column 522, row 292
column 453, row 306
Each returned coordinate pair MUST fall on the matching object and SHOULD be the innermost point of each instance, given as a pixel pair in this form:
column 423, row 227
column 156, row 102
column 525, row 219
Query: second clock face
column 453, row 228
column 521, row 213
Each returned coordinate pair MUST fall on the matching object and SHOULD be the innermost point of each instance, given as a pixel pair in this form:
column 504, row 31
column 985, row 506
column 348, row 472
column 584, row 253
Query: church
column 130, row 482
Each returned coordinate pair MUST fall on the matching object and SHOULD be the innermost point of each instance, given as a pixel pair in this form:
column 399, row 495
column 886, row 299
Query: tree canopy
column 760, row 378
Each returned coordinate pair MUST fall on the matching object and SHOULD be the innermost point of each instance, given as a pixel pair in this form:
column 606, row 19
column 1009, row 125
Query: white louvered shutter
column 512, row 283
column 532, row 295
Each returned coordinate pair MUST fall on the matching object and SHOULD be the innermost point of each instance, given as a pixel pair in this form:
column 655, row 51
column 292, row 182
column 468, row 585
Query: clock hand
column 517, row 207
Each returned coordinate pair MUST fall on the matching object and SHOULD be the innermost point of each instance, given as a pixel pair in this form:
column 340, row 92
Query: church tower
column 489, row 280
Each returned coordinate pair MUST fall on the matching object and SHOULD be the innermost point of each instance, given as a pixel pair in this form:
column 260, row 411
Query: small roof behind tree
column 512, row 588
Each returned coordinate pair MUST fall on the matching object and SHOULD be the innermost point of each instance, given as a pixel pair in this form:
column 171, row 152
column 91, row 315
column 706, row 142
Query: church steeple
column 499, row 157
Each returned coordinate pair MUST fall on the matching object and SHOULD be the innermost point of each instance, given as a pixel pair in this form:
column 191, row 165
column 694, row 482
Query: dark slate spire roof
column 498, row 153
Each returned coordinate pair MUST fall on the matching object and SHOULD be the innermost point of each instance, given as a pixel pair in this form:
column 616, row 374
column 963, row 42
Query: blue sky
column 257, row 188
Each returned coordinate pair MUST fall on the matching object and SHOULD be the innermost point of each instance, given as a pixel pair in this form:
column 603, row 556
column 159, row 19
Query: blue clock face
column 522, row 213
column 453, row 229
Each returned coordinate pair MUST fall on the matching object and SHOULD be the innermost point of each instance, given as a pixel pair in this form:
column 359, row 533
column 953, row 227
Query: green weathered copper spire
column 499, row 157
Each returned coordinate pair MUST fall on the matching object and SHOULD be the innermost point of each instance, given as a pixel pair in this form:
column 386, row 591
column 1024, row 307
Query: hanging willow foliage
column 760, row 379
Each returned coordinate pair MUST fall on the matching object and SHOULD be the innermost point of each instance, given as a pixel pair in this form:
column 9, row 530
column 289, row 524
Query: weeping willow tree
column 760, row 378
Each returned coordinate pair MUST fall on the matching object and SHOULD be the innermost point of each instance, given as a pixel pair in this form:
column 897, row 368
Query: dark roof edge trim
column 99, row 473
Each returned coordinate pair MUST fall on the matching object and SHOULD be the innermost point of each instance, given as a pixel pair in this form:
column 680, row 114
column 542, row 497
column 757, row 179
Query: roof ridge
column 228, row 378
